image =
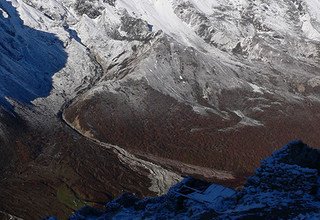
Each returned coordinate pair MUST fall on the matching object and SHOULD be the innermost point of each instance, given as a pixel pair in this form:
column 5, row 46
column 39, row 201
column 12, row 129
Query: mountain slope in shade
column 29, row 58
column 285, row 186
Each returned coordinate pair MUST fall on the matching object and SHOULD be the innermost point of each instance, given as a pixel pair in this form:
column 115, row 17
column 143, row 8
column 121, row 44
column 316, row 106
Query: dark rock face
column 90, row 8
column 110, row 2
column 285, row 186
column 301, row 155
column 285, row 169
column 87, row 7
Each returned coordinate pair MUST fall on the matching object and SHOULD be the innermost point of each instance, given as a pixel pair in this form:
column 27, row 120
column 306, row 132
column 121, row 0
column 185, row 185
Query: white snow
column 312, row 20
column 160, row 14
column 256, row 88
column 308, row 29
column 4, row 13
column 205, row 6
column 246, row 120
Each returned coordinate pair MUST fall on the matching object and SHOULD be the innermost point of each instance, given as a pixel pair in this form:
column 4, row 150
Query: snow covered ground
column 251, row 39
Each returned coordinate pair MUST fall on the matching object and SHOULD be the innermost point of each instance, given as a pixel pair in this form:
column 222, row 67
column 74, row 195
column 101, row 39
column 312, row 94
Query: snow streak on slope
column 161, row 15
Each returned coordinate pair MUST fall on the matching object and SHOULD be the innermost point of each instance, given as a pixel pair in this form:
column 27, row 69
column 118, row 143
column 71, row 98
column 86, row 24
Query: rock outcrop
column 286, row 185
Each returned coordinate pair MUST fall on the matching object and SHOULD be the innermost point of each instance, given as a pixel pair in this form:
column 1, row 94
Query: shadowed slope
column 28, row 58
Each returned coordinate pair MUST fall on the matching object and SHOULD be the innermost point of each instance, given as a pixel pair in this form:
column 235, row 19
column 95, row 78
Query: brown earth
column 56, row 172
column 64, row 173
column 146, row 122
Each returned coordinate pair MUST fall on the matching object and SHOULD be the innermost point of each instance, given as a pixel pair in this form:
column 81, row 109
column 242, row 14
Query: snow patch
column 4, row 13
column 246, row 120
column 308, row 28
column 256, row 88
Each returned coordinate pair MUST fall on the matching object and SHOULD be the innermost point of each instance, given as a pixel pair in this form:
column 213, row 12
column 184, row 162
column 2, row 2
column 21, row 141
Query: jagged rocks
column 276, row 190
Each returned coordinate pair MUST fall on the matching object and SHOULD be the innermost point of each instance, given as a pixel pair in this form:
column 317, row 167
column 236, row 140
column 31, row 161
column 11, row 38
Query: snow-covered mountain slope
column 199, row 76
column 285, row 186
column 245, row 43
column 191, row 87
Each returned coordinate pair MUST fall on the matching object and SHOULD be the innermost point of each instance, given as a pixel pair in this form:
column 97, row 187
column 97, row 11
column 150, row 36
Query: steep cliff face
column 285, row 186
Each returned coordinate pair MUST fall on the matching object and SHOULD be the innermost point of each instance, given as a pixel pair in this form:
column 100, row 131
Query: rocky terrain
column 285, row 186
column 131, row 95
